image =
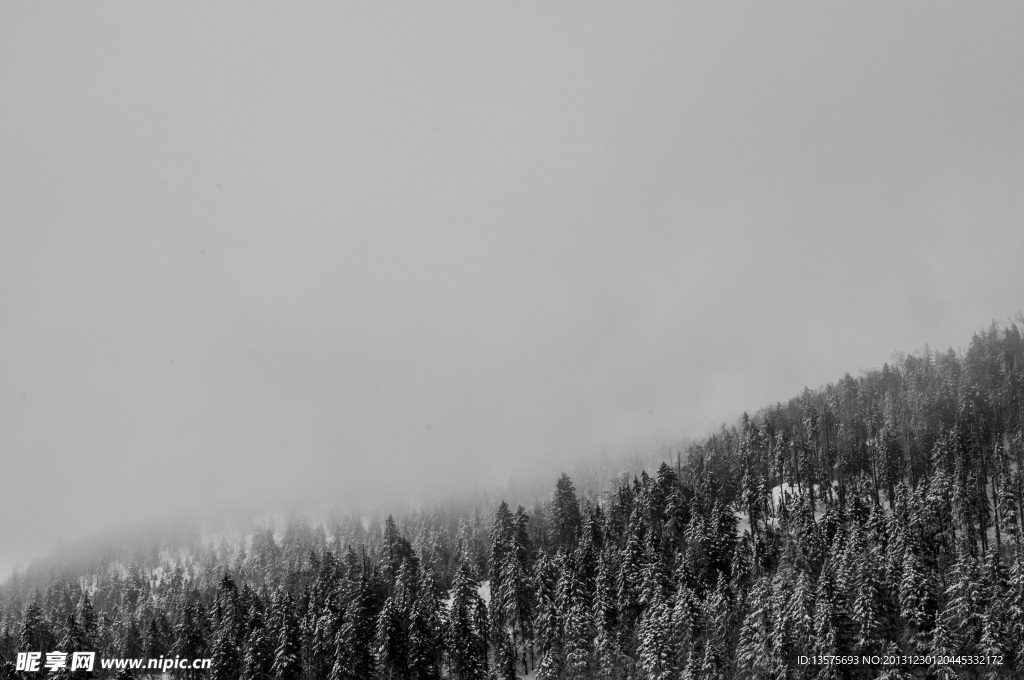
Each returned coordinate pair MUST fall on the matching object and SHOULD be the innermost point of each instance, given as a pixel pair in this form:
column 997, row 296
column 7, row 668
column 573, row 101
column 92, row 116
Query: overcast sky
column 361, row 251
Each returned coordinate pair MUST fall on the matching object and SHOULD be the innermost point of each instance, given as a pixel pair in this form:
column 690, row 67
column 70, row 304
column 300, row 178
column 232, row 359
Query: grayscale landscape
column 461, row 341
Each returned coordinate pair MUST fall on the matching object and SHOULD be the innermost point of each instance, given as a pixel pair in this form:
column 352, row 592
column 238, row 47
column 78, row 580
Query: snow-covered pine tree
column 258, row 657
column 35, row 634
column 466, row 650
column 156, row 641
column 287, row 638
column 130, row 643
column 996, row 630
column 226, row 661
column 88, row 622
column 515, row 597
column 960, row 620
column 391, row 643
column 655, row 651
column 609, row 661
column 426, row 632
column 503, row 551
column 829, row 626
column 565, row 514
column 755, row 652
column 190, row 636
column 918, row 599
column 577, row 631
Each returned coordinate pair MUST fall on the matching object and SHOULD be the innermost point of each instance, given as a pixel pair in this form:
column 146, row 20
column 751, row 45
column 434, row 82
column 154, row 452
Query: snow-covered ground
column 743, row 521
column 483, row 590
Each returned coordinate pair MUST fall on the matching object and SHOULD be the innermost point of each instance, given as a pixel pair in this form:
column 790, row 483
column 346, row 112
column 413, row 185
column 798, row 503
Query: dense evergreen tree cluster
column 878, row 515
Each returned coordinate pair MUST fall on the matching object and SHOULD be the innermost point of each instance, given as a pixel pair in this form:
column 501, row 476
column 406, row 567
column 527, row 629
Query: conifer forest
column 877, row 516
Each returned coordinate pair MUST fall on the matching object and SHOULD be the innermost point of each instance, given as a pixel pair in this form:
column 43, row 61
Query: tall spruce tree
column 464, row 642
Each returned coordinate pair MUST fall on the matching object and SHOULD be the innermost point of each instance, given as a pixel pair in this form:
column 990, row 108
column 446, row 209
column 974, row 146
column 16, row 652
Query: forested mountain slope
column 901, row 536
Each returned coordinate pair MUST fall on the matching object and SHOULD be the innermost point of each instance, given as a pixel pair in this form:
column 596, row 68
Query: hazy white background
column 359, row 253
